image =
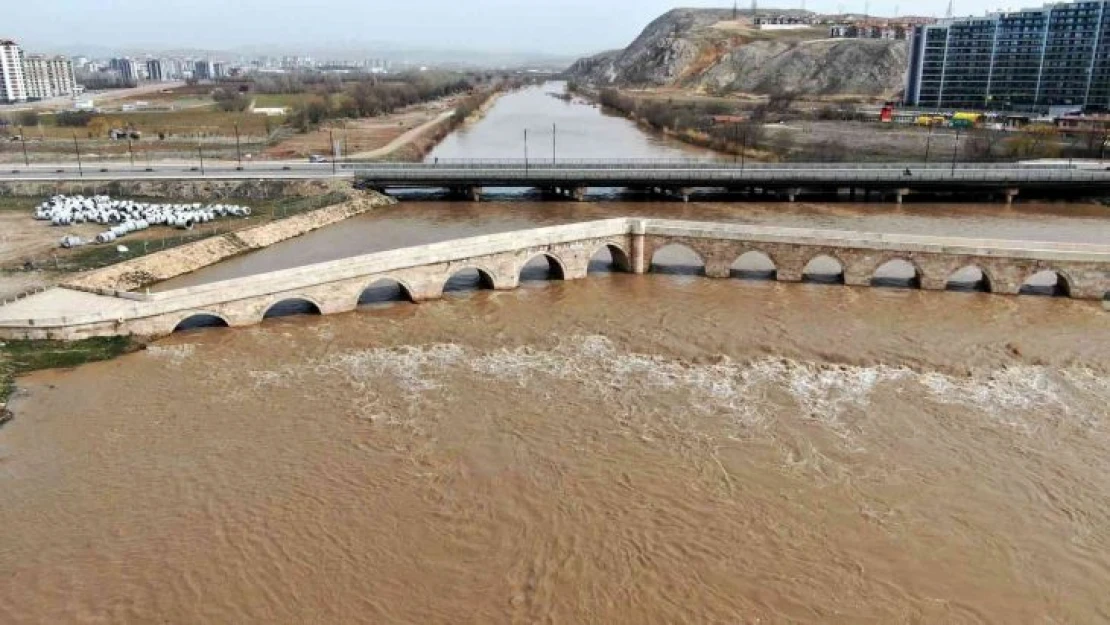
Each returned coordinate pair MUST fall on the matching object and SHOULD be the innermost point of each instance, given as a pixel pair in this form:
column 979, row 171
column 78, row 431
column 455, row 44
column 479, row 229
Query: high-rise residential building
column 1055, row 55
column 48, row 77
column 155, row 70
column 128, row 69
column 219, row 70
column 202, row 70
column 13, row 86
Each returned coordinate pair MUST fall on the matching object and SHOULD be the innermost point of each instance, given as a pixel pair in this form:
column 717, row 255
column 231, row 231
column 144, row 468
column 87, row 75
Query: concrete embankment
column 146, row 270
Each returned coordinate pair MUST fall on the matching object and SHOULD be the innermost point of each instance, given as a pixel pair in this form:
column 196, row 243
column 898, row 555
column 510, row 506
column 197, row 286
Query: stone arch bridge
column 422, row 272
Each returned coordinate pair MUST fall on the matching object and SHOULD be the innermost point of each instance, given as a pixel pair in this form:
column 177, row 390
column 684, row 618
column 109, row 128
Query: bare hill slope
column 707, row 50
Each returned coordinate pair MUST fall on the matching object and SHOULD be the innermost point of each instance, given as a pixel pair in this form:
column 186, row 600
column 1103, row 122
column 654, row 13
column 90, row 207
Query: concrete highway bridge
column 786, row 181
column 572, row 178
column 422, row 272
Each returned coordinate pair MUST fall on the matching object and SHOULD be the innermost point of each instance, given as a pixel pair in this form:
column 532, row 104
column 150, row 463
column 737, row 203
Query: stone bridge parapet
column 422, row 272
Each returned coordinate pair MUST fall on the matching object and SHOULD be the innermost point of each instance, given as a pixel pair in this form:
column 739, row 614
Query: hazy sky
column 554, row 26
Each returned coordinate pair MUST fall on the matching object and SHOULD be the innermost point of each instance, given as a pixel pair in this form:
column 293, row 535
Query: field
column 360, row 135
column 273, row 100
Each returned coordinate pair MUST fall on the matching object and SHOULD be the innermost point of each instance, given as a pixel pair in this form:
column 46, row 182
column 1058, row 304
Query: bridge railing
column 495, row 176
column 664, row 164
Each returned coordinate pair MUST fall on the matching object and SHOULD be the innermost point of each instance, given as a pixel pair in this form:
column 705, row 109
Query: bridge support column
column 685, row 193
column 474, row 193
column 638, row 260
column 789, row 274
column 933, row 283
column 718, row 268
column 856, row 278
column 899, row 194
column 1010, row 194
column 578, row 193
column 791, row 194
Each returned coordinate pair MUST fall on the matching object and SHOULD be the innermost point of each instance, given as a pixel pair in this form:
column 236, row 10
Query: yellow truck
column 966, row 120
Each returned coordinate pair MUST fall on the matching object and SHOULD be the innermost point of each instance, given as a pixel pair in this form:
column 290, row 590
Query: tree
column 230, row 101
column 98, row 127
column 29, row 118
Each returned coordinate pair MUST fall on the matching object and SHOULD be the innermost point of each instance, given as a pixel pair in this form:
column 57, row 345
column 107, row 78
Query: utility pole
column 238, row 150
column 131, row 151
column 525, row 149
column 23, row 140
column 554, row 130
column 200, row 152
column 80, row 167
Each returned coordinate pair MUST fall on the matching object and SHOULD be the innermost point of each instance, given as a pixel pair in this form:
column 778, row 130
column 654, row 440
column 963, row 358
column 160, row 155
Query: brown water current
column 660, row 448
column 623, row 449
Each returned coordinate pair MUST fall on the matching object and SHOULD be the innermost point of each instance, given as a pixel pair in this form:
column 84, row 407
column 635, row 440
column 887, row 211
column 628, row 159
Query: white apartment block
column 48, row 77
column 13, row 86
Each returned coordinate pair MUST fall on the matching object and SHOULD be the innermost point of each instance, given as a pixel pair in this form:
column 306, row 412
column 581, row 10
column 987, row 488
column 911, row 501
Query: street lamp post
column 238, row 149
column 554, row 130
column 131, row 151
column 525, row 149
column 80, row 167
column 929, row 142
column 334, row 156
column 200, row 152
column 743, row 150
column 23, row 140
column 955, row 150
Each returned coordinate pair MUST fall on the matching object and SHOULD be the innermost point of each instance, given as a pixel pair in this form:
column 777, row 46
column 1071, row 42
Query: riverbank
column 470, row 112
column 725, row 141
column 22, row 357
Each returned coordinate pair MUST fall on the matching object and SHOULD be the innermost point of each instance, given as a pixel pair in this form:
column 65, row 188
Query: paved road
column 597, row 173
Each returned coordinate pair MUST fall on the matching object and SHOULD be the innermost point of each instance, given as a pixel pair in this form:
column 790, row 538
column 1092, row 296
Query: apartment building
column 1056, row 55
column 155, row 70
column 48, row 77
column 13, row 85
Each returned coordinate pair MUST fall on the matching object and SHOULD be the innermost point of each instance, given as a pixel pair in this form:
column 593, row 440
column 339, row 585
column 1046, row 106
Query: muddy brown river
column 663, row 448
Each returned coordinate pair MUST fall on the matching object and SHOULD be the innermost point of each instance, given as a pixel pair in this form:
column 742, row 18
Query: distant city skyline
column 552, row 27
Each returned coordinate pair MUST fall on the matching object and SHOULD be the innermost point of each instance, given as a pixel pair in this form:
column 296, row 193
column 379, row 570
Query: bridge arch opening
column 200, row 322
column 754, row 265
column 970, row 279
column 609, row 258
column 897, row 273
column 384, row 292
column 542, row 268
column 468, row 280
column 1047, row 283
column 292, row 307
column 824, row 269
column 677, row 259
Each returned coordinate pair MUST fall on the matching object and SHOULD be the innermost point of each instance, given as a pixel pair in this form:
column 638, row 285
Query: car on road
column 316, row 158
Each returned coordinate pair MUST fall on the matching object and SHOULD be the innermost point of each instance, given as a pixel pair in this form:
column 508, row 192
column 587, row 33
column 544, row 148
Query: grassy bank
column 22, row 357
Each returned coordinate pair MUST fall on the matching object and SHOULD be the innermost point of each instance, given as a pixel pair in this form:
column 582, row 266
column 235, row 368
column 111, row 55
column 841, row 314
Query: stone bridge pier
column 933, row 271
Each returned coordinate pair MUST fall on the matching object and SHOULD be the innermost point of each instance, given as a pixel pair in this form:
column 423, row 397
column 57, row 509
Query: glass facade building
column 1055, row 55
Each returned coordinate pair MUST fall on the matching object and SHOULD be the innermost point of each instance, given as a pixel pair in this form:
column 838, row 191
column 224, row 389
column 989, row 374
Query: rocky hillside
column 707, row 50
